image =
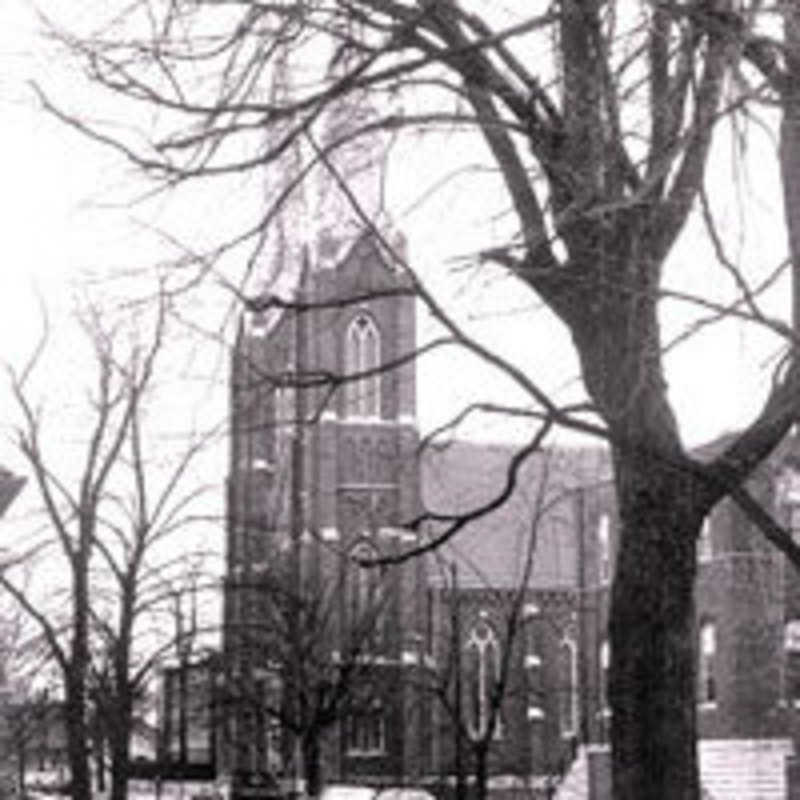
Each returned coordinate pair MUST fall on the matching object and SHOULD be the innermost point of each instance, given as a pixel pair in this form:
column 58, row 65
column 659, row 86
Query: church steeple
column 355, row 148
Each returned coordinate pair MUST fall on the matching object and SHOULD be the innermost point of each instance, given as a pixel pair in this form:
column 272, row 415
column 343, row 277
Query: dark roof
column 491, row 550
column 10, row 486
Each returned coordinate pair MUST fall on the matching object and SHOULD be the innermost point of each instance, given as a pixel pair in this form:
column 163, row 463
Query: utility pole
column 455, row 635
column 299, row 711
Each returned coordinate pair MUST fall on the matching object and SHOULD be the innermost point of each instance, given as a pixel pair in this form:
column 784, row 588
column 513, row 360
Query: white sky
column 54, row 232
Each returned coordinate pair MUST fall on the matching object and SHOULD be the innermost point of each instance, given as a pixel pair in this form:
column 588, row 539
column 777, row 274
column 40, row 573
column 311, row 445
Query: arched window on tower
column 482, row 675
column 362, row 354
column 706, row 673
column 366, row 599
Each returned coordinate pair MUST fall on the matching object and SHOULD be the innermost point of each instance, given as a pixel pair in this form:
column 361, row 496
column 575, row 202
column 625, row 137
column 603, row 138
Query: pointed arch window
column 604, row 549
column 366, row 599
column 605, row 665
column 705, row 543
column 706, row 673
column 482, row 677
column 568, row 686
column 362, row 354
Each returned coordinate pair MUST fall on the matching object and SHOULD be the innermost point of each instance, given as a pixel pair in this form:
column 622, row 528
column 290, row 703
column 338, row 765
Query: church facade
column 321, row 477
column 350, row 643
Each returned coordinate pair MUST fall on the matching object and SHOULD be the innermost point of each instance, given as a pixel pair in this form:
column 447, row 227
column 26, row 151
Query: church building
column 327, row 502
column 348, row 643
column 356, row 652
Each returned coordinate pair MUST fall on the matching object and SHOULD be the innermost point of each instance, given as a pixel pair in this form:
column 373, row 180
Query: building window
column 791, row 644
column 482, row 677
column 604, row 549
column 705, row 544
column 362, row 354
column 605, row 665
column 366, row 731
column 568, row 685
column 706, row 673
column 366, row 598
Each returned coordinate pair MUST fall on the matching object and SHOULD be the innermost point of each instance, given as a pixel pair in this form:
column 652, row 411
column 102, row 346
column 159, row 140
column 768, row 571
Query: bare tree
column 110, row 532
column 302, row 661
column 599, row 118
column 481, row 699
column 24, row 704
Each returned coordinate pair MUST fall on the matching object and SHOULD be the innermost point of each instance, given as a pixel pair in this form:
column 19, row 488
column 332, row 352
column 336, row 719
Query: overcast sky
column 55, row 233
column 63, row 222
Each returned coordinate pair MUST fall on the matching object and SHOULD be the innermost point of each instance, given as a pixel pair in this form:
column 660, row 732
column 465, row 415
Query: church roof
column 491, row 550
column 10, row 486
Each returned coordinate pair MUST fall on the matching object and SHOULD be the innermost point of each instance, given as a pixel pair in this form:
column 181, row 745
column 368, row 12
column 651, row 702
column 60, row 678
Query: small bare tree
column 477, row 697
column 111, row 532
column 302, row 663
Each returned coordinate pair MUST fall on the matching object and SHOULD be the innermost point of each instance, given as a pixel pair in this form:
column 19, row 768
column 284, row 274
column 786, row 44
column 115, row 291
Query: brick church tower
column 323, row 474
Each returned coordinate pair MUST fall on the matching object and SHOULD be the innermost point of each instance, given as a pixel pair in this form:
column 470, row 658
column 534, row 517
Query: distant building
column 187, row 743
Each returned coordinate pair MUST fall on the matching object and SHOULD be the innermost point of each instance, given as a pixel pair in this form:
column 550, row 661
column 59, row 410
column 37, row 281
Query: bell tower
column 323, row 481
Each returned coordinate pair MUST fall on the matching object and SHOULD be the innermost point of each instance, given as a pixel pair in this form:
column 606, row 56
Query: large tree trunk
column 119, row 747
column 119, row 718
column 77, row 739
column 77, row 729
column 22, row 761
column 652, row 632
column 312, row 766
column 661, row 504
column 120, row 715
column 100, row 763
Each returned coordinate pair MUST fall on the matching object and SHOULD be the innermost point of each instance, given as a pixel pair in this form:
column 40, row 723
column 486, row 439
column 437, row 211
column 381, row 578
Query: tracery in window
column 482, row 677
column 362, row 354
column 366, row 598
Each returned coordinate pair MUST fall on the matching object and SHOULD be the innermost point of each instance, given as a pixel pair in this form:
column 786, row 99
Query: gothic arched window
column 482, row 675
column 605, row 664
column 366, row 598
column 706, row 673
column 568, row 686
column 362, row 354
column 604, row 549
